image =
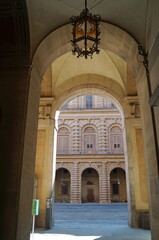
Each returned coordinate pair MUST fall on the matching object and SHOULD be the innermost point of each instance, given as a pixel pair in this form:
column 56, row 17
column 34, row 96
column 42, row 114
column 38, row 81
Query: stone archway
column 62, row 186
column 118, row 185
column 27, row 107
column 119, row 43
column 119, row 99
column 112, row 85
column 89, row 186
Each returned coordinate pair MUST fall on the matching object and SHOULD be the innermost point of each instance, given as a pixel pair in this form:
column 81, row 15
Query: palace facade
column 90, row 154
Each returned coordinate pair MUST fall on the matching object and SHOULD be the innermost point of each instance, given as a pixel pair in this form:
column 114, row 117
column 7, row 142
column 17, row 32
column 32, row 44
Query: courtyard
column 91, row 221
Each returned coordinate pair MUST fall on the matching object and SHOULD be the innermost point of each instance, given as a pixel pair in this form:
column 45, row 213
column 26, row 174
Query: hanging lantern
column 85, row 33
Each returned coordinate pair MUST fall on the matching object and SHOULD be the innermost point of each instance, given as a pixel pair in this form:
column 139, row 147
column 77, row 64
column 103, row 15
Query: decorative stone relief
column 45, row 108
column 134, row 106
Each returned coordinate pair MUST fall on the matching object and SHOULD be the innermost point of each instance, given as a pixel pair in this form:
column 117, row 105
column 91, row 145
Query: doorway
column 90, row 186
column 118, row 185
column 62, row 186
column 90, row 195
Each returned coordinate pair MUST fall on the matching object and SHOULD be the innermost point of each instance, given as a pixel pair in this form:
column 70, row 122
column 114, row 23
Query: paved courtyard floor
column 91, row 222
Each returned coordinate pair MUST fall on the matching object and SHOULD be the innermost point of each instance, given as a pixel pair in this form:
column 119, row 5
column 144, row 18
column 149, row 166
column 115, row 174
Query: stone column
column 135, row 170
column 108, row 185
column 44, row 169
column 19, row 100
column 150, row 148
column 75, row 185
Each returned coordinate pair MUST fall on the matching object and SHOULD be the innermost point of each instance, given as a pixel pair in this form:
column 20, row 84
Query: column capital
column 45, row 107
column 133, row 102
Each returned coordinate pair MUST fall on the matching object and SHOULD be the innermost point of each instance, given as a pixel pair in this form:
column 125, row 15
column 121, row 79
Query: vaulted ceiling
column 46, row 16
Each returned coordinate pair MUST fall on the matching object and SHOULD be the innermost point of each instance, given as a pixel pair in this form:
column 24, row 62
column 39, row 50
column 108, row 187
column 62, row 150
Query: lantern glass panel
column 80, row 30
column 91, row 29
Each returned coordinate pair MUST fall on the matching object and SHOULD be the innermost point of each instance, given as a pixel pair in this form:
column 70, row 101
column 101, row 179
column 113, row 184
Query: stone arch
column 84, row 166
column 45, row 54
column 90, row 185
column 118, row 185
column 115, row 125
column 89, row 126
column 119, row 166
column 114, row 92
column 66, row 166
column 64, row 126
column 62, row 185
column 113, row 39
column 115, row 165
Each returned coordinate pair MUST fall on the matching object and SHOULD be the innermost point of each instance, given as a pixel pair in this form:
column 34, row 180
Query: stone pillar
column 44, row 158
column 150, row 149
column 75, row 185
column 103, row 188
column 108, row 185
column 75, row 137
column 103, row 137
column 136, row 172
column 19, row 100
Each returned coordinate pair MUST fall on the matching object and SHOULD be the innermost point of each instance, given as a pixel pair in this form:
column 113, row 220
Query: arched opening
column 62, row 186
column 118, row 185
column 114, row 42
column 90, row 186
column 110, row 78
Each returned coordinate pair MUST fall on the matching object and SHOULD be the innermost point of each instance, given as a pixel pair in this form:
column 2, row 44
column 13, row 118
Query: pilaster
column 103, row 137
column 150, row 144
column 135, row 165
column 44, row 169
column 103, row 188
column 75, row 185
column 75, row 137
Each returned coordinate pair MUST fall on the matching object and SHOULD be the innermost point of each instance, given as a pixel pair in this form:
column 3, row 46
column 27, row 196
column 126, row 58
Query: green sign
column 35, row 207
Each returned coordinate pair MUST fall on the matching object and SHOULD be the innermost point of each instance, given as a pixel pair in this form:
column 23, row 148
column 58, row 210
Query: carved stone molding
column 112, row 165
column 134, row 106
column 45, row 108
column 68, row 166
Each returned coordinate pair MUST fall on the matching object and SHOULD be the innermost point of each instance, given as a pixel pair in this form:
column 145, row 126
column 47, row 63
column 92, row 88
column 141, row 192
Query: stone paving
column 91, row 222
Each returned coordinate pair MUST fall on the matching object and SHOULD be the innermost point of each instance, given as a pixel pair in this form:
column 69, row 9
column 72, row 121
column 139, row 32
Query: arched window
column 89, row 140
column 116, row 140
column 89, row 101
column 63, row 139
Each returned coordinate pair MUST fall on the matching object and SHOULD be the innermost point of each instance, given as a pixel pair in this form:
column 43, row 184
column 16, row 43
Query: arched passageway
column 118, row 185
column 131, row 121
column 90, row 186
column 18, row 135
column 62, row 186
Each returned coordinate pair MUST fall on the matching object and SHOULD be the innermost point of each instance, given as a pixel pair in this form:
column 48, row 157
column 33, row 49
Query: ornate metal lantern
column 85, row 33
